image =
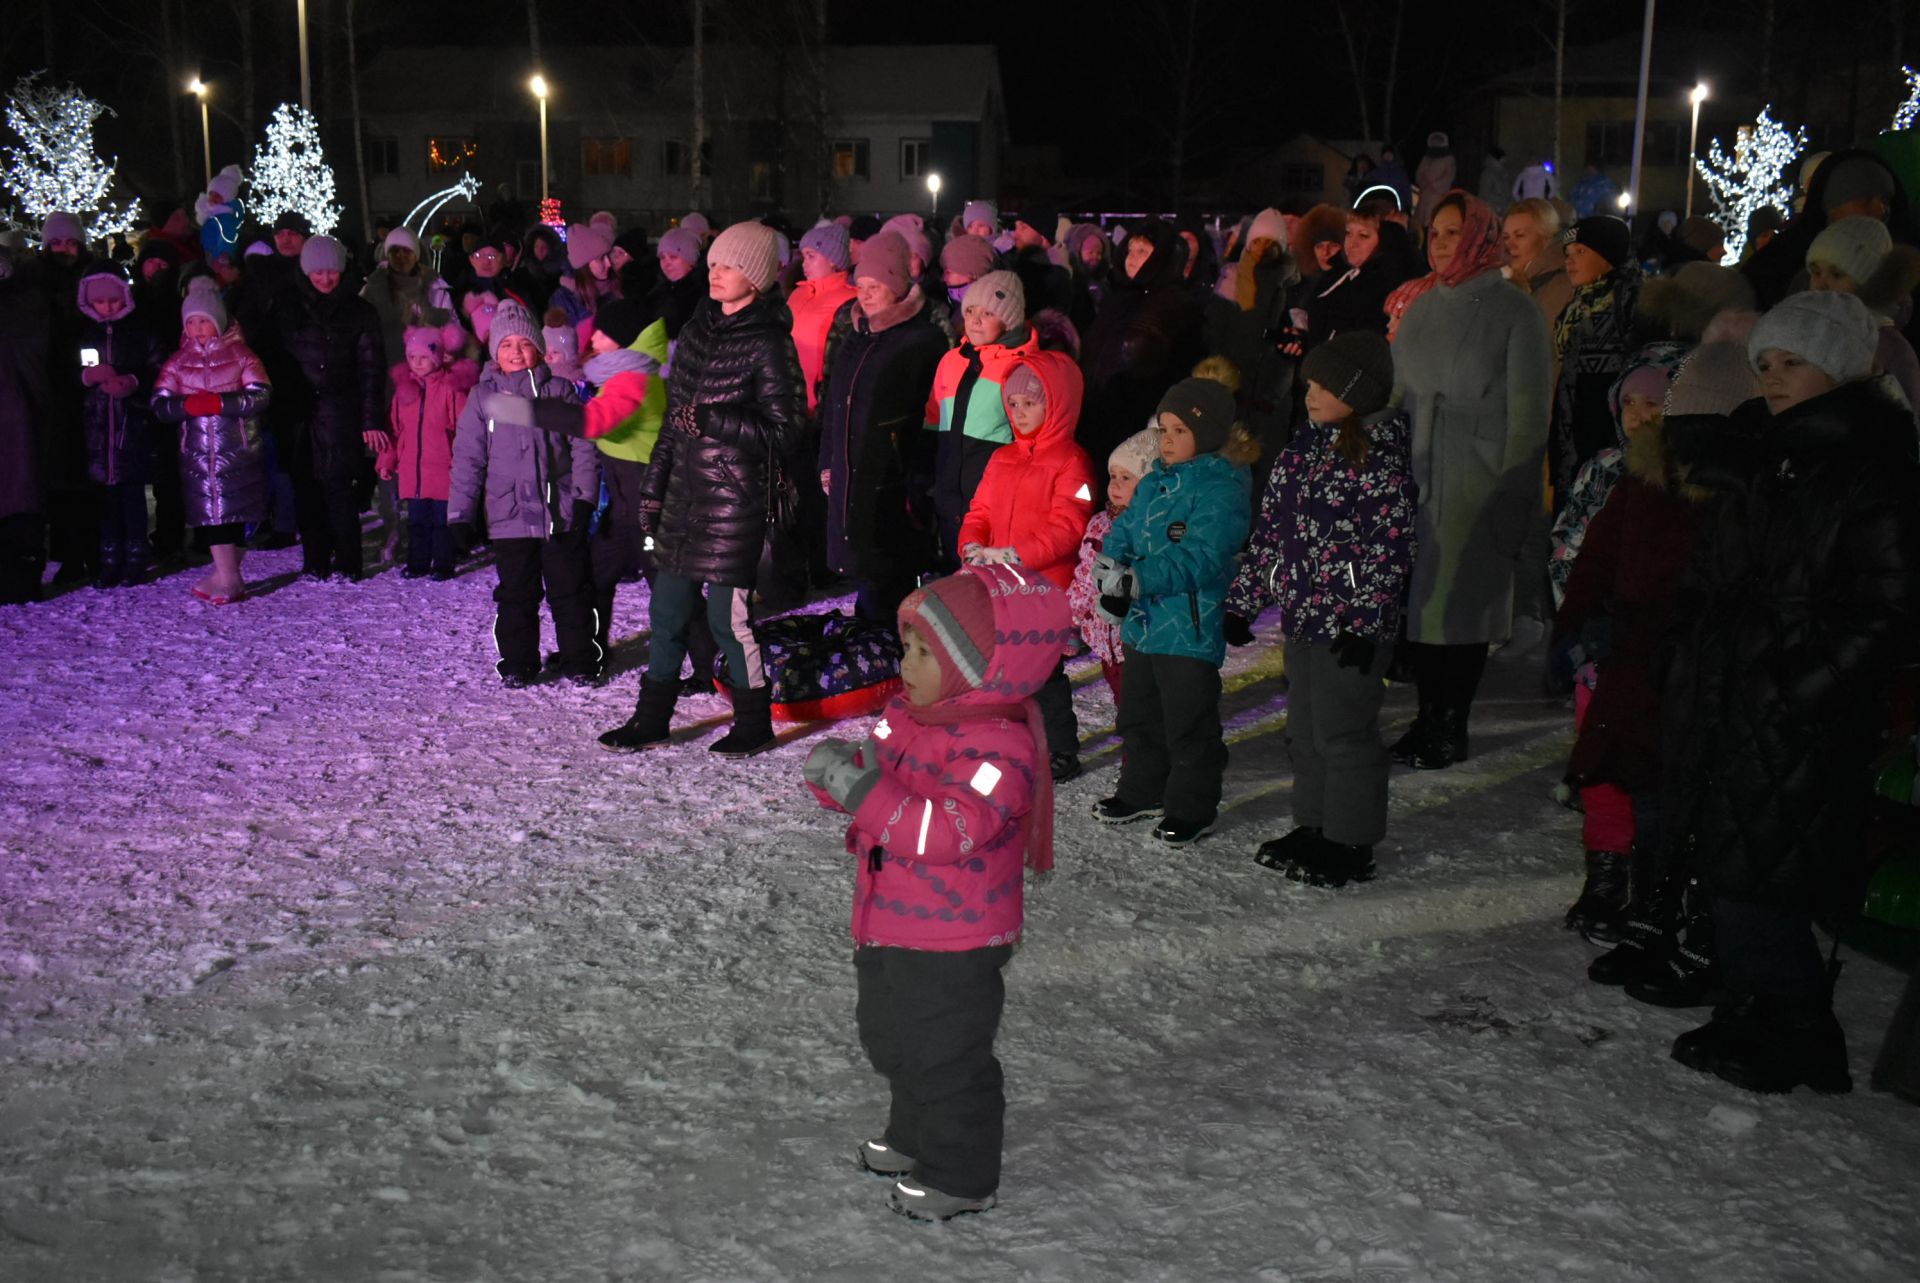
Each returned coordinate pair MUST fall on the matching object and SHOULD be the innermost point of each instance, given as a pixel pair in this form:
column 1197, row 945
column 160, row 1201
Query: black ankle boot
column 1445, row 744
column 652, row 722
column 1599, row 912
column 1769, row 1043
column 752, row 724
column 1414, row 742
column 1647, row 939
column 1688, row 976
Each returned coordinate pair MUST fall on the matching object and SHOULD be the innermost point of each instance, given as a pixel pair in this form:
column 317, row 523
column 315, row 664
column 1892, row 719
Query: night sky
column 1104, row 77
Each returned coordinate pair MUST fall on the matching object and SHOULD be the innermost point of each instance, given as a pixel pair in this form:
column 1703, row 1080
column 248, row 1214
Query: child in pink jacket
column 1129, row 462
column 429, row 390
column 950, row 798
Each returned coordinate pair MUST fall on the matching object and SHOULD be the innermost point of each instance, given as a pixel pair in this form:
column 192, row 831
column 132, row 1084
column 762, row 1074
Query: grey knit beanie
column 1832, row 331
column 998, row 294
column 510, row 319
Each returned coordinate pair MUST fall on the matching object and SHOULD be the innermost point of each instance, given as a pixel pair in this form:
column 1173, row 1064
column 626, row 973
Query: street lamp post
column 1699, row 95
column 933, row 194
column 306, row 67
column 539, row 86
column 200, row 89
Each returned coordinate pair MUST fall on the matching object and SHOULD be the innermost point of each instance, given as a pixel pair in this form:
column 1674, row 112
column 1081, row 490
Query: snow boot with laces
column 652, row 722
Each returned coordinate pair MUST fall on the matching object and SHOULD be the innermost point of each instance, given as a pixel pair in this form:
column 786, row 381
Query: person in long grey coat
column 1474, row 367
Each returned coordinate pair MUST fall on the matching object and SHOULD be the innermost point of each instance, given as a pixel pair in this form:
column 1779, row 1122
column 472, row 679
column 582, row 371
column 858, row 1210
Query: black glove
column 1237, row 630
column 464, row 537
column 1350, row 650
column 1116, row 607
column 582, row 518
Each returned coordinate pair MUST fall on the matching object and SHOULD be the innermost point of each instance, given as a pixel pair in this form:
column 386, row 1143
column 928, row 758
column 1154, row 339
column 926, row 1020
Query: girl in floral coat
column 1333, row 548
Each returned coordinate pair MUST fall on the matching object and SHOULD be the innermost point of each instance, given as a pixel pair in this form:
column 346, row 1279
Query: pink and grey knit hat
column 955, row 617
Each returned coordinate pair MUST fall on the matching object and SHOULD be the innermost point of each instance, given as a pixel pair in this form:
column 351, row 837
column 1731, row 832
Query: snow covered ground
column 323, row 957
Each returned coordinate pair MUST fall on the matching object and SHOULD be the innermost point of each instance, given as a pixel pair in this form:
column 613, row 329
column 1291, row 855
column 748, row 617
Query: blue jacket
column 1182, row 535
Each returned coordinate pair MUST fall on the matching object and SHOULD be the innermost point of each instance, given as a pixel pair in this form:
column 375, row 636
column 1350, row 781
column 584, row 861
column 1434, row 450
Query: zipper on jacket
column 420, row 444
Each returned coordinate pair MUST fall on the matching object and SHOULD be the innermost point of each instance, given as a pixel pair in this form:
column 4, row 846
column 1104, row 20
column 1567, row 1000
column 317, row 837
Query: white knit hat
column 1268, row 225
column 404, row 238
column 1137, row 453
column 1000, row 294
column 1857, row 246
column 1832, row 331
column 752, row 249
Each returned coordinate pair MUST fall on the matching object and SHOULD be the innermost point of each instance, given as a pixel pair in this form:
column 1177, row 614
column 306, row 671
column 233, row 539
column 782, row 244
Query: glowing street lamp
column 1699, row 95
column 200, row 89
column 539, row 87
column 933, row 192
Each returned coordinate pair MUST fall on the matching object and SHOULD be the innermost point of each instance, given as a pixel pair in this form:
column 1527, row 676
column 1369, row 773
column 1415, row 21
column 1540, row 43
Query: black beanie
column 1605, row 235
column 621, row 320
column 1206, row 407
column 864, row 228
column 1356, row 367
column 1044, row 219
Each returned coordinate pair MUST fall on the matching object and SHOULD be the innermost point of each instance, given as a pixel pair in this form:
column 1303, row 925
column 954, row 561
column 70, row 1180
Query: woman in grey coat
column 1474, row 365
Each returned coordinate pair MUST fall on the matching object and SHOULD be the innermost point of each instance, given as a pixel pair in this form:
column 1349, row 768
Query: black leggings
column 1447, row 676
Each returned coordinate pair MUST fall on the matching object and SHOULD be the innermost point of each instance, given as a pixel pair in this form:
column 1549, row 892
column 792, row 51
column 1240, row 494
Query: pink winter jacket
column 942, row 854
column 421, row 420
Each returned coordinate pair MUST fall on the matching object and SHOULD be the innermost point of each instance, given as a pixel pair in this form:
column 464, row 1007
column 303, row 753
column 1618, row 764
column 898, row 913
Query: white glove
column 844, row 771
column 1112, row 578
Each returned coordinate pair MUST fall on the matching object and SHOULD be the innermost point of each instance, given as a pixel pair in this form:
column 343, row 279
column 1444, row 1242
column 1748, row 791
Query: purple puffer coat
column 223, row 463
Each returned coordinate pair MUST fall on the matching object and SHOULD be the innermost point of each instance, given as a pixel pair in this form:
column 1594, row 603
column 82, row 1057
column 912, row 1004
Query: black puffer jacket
column 1800, row 600
column 733, row 407
column 1145, row 340
column 871, row 439
column 329, row 379
column 120, row 432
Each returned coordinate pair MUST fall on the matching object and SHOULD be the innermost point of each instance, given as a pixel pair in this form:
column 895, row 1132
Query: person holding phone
column 119, row 356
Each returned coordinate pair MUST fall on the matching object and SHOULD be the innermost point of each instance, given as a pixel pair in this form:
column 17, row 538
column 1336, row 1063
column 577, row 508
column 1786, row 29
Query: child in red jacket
column 429, row 391
column 1032, row 510
column 948, row 802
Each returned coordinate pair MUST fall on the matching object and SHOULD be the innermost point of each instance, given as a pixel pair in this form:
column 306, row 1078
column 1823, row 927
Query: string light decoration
column 550, row 215
column 1908, row 112
column 1753, row 177
column 466, row 188
column 290, row 172
column 54, row 169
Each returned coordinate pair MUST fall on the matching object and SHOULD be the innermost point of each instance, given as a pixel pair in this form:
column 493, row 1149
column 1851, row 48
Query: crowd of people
column 1425, row 426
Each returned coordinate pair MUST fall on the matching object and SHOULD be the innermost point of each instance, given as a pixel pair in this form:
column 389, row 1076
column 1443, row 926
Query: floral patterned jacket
column 1334, row 543
column 1083, row 599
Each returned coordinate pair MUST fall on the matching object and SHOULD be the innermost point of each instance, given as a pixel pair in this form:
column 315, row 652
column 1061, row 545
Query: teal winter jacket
column 1182, row 535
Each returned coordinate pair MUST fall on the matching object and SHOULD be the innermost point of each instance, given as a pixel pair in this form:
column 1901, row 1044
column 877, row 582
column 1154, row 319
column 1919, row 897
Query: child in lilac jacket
column 951, row 800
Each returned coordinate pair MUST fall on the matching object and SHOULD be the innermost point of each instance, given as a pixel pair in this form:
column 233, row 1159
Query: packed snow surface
column 324, row 957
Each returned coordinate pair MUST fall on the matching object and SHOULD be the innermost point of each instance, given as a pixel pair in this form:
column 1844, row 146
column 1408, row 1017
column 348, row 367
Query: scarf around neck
column 1479, row 252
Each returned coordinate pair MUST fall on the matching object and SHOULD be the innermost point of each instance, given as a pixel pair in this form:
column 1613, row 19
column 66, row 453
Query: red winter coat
column 1628, row 572
column 422, row 418
column 1037, row 493
column 939, row 836
column 813, row 304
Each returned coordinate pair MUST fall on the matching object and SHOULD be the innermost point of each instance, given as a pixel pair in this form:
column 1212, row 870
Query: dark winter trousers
column 329, row 515
column 169, row 505
column 675, row 608
column 527, row 568
column 282, row 511
column 619, row 545
column 1532, row 589
column 23, row 557
column 429, row 537
column 1447, row 677
column 1055, row 700
column 927, row 1021
column 879, row 597
column 1172, row 755
column 123, row 526
column 1333, row 737
column 1768, row 951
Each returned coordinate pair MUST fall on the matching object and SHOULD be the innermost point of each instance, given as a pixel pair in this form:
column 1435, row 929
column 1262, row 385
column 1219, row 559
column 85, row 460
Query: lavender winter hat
column 323, row 254
column 829, row 240
column 682, row 244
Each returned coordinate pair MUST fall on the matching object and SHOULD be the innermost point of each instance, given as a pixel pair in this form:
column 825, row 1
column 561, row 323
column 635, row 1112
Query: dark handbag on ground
column 824, row 667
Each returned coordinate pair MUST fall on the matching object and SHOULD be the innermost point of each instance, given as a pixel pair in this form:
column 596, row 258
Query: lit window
column 606, row 156
column 450, row 153
column 850, row 159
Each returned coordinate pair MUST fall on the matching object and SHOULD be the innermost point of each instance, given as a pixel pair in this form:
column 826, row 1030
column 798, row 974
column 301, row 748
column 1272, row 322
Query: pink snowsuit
column 942, row 845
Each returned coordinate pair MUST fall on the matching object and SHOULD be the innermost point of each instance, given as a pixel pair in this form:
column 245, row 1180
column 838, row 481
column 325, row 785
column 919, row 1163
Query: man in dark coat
column 1848, row 183
column 1800, row 600
column 734, row 415
column 327, row 396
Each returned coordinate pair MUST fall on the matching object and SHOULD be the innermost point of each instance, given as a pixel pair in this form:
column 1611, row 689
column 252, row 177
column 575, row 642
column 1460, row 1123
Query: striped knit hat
column 954, row 616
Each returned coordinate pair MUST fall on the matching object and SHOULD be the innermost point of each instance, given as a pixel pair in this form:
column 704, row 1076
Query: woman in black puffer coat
column 329, row 406
column 1800, row 601
column 734, row 414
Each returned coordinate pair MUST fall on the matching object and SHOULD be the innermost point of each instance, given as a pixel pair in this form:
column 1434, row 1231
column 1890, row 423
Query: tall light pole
column 306, row 67
column 539, row 86
column 1699, row 95
column 200, row 89
column 933, row 193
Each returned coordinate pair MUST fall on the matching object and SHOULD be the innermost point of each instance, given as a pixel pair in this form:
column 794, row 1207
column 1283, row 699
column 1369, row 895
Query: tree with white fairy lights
column 290, row 172
column 1908, row 112
column 1753, row 177
column 54, row 169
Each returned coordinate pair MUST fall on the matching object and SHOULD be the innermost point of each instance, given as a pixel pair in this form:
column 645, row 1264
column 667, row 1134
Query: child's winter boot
column 883, row 1159
column 925, row 1203
column 1599, row 912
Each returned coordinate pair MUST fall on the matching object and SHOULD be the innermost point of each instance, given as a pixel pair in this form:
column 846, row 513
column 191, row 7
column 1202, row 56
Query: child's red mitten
column 202, row 404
